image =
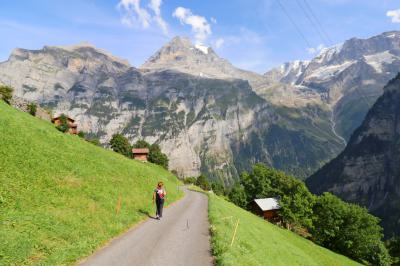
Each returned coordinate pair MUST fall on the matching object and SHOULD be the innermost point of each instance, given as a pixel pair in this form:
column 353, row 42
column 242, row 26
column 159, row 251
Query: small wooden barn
column 268, row 208
column 73, row 127
column 141, row 154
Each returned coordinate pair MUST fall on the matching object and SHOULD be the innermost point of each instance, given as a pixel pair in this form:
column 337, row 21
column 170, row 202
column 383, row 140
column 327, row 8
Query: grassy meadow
column 258, row 242
column 59, row 194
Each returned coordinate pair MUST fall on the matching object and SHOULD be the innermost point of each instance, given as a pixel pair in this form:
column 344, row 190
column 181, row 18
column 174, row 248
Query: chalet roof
column 58, row 117
column 268, row 204
column 140, row 151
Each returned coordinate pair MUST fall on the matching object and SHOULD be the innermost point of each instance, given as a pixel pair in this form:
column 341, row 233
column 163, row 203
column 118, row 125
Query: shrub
column 393, row 245
column 94, row 141
column 63, row 126
column 157, row 157
column 121, row 145
column 202, row 182
column 32, row 108
column 141, row 144
column 238, row 196
column 81, row 134
column 6, row 93
column 189, row 180
column 218, row 188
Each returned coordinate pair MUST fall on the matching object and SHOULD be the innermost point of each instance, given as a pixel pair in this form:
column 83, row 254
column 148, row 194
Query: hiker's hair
column 160, row 184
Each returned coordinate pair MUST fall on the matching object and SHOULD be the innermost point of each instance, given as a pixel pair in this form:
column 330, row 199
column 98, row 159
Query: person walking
column 159, row 197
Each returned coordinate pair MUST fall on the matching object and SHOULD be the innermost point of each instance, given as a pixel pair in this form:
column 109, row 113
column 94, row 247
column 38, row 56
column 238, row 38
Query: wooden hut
column 141, row 154
column 268, row 208
column 73, row 127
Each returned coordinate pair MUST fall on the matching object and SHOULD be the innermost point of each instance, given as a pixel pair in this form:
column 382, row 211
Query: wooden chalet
column 140, row 154
column 268, row 208
column 73, row 127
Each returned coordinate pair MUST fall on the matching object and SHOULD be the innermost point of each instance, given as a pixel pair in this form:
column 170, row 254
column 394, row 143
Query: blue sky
column 252, row 34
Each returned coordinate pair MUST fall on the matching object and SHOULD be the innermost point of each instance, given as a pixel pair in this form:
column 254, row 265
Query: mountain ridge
column 218, row 123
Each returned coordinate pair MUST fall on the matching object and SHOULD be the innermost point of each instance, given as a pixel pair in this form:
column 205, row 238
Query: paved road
column 180, row 238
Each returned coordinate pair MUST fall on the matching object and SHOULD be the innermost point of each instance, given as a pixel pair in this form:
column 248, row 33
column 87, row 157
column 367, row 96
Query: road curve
column 180, row 238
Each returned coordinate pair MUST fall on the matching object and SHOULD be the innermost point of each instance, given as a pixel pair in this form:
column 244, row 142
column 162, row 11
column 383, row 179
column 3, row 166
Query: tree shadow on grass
column 145, row 212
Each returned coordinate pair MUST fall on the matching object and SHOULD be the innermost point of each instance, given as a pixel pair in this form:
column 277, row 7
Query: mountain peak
column 179, row 50
column 180, row 53
column 180, row 41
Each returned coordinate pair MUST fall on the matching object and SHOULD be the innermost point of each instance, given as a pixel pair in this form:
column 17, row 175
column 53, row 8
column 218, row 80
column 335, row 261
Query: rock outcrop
column 23, row 105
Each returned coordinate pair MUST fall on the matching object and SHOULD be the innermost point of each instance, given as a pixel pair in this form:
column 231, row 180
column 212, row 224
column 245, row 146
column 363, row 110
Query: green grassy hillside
column 258, row 242
column 58, row 193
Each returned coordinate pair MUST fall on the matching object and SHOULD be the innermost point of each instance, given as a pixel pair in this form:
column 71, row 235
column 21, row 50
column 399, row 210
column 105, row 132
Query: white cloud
column 314, row 50
column 213, row 20
column 219, row 42
column 134, row 14
column 155, row 5
column 394, row 14
column 200, row 26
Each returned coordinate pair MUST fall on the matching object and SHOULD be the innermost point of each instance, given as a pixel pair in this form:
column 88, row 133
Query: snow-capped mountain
column 182, row 55
column 349, row 77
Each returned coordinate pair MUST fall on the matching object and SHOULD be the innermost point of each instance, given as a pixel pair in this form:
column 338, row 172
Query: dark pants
column 160, row 205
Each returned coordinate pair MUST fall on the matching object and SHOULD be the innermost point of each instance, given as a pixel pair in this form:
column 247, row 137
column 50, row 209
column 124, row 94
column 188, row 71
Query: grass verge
column 59, row 194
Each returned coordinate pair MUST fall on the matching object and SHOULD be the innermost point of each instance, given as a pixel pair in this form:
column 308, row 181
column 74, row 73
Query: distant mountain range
column 367, row 172
column 206, row 114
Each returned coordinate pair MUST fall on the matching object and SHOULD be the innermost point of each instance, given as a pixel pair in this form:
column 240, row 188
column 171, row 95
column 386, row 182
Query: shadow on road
column 147, row 213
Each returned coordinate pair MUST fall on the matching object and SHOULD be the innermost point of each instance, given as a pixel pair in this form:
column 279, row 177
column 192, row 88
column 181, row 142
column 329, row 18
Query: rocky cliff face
column 202, row 111
column 206, row 114
column 368, row 170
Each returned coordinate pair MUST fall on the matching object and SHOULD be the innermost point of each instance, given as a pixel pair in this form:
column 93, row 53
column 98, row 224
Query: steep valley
column 367, row 172
column 207, row 115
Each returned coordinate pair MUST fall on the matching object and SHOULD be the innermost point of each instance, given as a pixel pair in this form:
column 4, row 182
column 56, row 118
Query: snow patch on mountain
column 327, row 53
column 326, row 72
column 202, row 48
column 378, row 60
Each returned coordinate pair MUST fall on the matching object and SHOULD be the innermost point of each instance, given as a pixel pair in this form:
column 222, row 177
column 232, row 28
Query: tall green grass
column 58, row 193
column 258, row 242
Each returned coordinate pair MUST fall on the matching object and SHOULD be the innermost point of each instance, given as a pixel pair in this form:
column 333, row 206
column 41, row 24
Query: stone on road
column 181, row 237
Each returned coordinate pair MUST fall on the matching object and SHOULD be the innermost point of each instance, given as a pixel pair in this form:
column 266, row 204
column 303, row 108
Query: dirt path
column 180, row 238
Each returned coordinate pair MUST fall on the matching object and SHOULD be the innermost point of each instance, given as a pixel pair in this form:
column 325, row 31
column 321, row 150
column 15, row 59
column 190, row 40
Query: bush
column 393, row 246
column 121, row 145
column 238, row 196
column 189, row 180
column 218, row 188
column 348, row 229
column 63, row 126
column 94, row 141
column 32, row 108
column 157, row 157
column 81, row 134
column 141, row 144
column 202, row 182
column 6, row 93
